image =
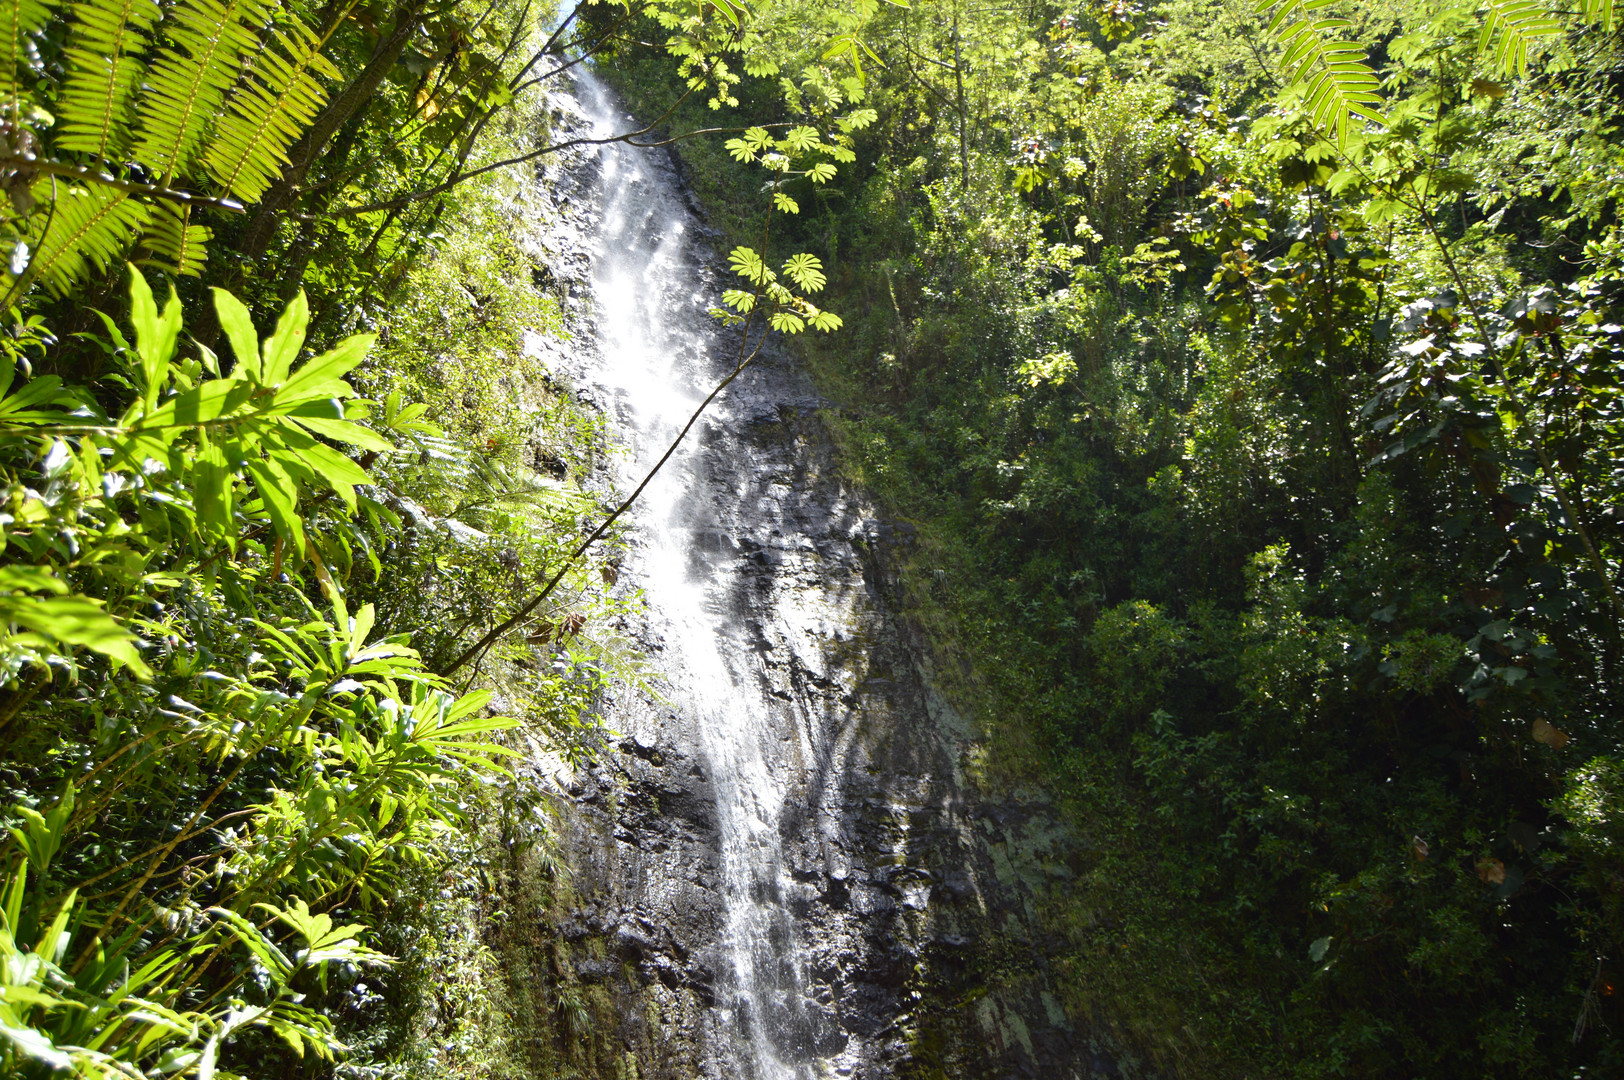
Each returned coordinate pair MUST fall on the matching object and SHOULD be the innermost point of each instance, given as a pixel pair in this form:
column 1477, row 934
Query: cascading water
column 660, row 353
column 778, row 868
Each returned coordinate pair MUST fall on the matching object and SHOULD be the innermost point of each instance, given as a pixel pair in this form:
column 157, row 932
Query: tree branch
column 602, row 530
column 430, row 192
column 21, row 162
column 746, row 356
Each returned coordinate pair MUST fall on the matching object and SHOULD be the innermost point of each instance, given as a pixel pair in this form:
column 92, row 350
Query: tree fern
column 1333, row 74
column 18, row 19
column 272, row 106
column 103, row 71
column 178, row 244
column 1594, row 11
column 85, row 227
column 1510, row 27
column 189, row 80
column 218, row 99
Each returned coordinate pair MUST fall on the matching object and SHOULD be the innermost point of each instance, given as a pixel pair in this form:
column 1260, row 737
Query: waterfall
column 779, row 868
column 659, row 354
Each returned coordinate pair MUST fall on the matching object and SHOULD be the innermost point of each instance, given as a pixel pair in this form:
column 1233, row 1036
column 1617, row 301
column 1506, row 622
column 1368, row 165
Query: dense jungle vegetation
column 1254, row 380
column 297, row 532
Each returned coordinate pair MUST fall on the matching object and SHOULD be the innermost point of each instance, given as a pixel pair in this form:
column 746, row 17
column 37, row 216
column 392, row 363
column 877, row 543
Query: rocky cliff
column 905, row 898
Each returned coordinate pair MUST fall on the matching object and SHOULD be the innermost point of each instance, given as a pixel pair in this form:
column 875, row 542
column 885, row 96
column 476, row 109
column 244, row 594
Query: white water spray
column 656, row 346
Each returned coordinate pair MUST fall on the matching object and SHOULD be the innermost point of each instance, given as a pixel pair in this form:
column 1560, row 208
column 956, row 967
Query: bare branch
column 746, row 356
column 430, row 192
column 491, row 636
column 22, row 162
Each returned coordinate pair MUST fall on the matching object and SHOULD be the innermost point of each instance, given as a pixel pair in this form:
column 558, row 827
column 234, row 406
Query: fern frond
column 18, row 19
column 1333, row 74
column 104, row 68
column 269, row 110
column 89, row 227
column 1510, row 27
column 180, row 247
column 206, row 45
column 1601, row 11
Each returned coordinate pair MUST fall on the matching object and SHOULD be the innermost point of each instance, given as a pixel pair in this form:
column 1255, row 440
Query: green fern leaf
column 269, row 110
column 1594, row 11
column 18, row 20
column 89, row 227
column 1510, row 28
column 178, row 244
column 1285, row 9
column 1333, row 75
column 206, row 43
column 104, row 69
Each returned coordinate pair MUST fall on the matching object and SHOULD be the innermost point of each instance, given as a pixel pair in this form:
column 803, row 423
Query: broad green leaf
column 238, row 325
column 280, row 495
column 16, row 578
column 345, row 432
column 340, row 472
column 469, row 703
column 35, row 391
column 322, row 377
column 361, row 626
column 144, row 317
column 208, row 402
column 75, row 621
column 282, row 347
column 212, row 494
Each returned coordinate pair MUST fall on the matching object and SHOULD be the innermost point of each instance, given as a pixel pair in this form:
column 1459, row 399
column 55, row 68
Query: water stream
column 659, row 354
column 779, row 868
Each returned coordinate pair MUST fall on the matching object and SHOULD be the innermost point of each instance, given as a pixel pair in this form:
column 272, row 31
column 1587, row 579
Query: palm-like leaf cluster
column 315, row 749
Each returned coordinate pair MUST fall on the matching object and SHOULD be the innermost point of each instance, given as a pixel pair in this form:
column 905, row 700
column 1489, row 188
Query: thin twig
column 430, row 192
column 597, row 534
column 746, row 356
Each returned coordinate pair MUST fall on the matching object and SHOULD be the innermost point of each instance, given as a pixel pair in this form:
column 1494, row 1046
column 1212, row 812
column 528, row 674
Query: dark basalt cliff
column 913, row 895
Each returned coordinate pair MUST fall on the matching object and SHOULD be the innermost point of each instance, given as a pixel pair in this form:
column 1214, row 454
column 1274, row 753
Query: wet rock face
column 910, row 896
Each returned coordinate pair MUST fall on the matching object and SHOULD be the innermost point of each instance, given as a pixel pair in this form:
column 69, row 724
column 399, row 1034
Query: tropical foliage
column 1253, row 374
column 1253, row 377
column 233, row 589
column 158, row 668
